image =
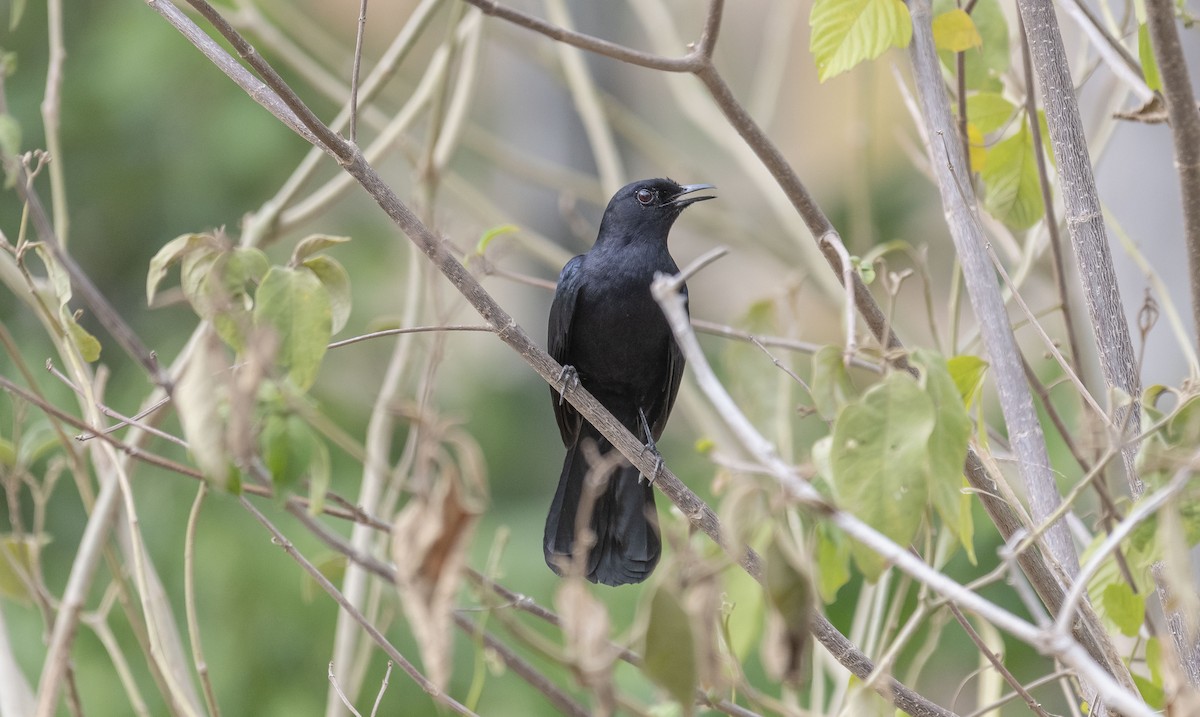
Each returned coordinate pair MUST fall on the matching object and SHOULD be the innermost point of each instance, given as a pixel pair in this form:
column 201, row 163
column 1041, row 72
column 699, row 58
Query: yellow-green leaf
column 947, row 448
column 482, row 245
column 1014, row 195
column 984, row 66
column 989, row 111
column 955, row 31
column 976, row 147
column 745, row 602
column 1124, row 607
column 846, row 32
column 87, row 345
column 833, row 561
column 967, row 372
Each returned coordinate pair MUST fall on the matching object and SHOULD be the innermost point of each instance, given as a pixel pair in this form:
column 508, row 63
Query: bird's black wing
column 558, row 340
column 658, row 413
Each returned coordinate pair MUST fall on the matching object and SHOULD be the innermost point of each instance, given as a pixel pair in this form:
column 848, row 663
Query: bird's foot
column 658, row 463
column 649, row 446
column 568, row 379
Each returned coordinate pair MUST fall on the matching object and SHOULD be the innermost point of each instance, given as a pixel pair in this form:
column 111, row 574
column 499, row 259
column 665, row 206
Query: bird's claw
column 658, row 464
column 568, row 379
column 649, row 446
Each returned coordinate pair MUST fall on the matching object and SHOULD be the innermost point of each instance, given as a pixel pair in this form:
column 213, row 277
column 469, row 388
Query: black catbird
column 611, row 337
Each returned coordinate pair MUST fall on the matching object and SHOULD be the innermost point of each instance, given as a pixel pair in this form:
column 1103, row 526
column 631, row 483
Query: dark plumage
column 607, row 329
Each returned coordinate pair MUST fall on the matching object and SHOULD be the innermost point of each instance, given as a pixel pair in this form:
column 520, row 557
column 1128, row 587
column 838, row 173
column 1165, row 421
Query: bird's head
column 646, row 209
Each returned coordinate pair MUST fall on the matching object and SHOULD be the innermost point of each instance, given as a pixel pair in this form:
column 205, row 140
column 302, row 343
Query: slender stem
column 1185, row 130
column 1085, row 220
column 958, row 200
column 1051, row 221
column 423, row 682
column 189, row 601
column 354, row 73
column 997, row 663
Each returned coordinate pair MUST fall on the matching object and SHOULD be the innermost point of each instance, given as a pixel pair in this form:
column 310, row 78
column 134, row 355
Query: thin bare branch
column 279, row 539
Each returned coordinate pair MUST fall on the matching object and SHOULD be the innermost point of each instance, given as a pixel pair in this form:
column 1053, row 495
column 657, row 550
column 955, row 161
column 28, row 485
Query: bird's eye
column 644, row 197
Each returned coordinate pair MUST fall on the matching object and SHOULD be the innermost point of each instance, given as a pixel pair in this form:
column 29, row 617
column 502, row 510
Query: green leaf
column 744, row 617
column 1146, row 56
column 954, row 30
column 831, row 384
column 288, row 447
column 311, row 245
column 86, row 344
column 670, row 655
column 295, row 305
column 1124, row 607
column 947, row 443
column 989, row 111
column 846, row 32
column 337, row 282
column 172, row 252
column 245, row 266
column 1152, row 693
column 194, row 272
column 985, row 66
column 1154, row 659
column 1014, row 195
column 225, row 293
column 833, row 561
column 879, row 457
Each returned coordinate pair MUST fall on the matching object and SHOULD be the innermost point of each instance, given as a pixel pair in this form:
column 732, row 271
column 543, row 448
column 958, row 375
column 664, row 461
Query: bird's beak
column 682, row 200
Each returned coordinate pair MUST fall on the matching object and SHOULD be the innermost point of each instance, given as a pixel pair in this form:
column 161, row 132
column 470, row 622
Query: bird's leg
column 568, row 379
column 658, row 459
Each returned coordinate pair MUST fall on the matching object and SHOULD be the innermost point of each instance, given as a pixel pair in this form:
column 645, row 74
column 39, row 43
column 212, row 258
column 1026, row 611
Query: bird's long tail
column 623, row 519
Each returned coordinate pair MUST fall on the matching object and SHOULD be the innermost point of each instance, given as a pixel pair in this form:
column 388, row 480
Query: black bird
column 612, row 338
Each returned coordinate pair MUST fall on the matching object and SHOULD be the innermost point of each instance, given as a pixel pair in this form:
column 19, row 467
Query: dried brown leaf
column 586, row 627
column 429, row 547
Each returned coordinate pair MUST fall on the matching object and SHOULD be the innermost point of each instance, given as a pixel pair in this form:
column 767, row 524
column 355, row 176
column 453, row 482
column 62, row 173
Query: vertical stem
column 958, row 201
column 1185, row 130
column 1085, row 221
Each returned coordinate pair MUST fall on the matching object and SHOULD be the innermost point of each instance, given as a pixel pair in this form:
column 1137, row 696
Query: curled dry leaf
column 586, row 626
column 791, row 594
column 429, row 547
